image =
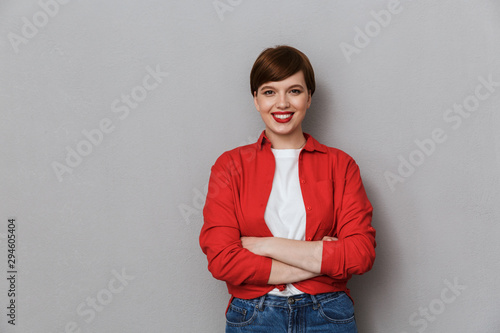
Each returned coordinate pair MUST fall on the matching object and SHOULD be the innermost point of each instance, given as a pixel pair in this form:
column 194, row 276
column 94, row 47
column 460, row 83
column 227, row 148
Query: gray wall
column 107, row 226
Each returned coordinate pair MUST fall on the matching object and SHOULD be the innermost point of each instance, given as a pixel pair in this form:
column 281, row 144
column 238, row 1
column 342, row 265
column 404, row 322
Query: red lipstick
column 282, row 117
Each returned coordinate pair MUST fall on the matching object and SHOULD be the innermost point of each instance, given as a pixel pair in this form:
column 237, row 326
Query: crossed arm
column 259, row 260
column 293, row 260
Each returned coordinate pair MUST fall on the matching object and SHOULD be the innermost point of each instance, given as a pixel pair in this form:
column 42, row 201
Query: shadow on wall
column 369, row 290
column 320, row 114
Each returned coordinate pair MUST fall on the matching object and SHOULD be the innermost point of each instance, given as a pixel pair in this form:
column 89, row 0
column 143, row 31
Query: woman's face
column 283, row 104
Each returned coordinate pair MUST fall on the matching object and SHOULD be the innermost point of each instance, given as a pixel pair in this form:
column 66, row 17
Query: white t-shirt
column 285, row 213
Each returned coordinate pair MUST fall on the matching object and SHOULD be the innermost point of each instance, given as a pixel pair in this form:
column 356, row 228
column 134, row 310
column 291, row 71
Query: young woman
column 287, row 220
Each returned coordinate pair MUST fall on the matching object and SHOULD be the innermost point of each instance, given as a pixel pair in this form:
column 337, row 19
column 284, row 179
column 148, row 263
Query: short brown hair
column 278, row 63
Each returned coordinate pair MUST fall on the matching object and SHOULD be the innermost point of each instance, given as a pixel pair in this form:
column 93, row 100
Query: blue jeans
column 304, row 313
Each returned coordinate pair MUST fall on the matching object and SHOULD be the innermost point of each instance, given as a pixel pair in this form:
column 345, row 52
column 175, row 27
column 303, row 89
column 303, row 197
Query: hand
column 330, row 238
column 255, row 245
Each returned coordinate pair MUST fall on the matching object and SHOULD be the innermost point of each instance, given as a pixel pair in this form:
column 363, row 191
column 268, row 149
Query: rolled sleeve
column 354, row 252
column 220, row 234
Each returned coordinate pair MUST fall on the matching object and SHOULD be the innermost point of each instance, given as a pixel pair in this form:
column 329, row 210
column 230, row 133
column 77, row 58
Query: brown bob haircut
column 278, row 63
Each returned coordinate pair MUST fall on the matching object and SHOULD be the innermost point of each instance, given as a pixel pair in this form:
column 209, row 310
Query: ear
column 255, row 101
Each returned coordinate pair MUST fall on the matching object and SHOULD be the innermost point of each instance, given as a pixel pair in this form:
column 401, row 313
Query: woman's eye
column 295, row 91
column 268, row 92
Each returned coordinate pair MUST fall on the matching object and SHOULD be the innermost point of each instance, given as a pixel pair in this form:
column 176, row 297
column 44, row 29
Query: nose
column 283, row 102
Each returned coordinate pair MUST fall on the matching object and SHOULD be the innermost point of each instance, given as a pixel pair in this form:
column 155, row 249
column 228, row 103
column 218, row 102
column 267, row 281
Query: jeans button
column 291, row 301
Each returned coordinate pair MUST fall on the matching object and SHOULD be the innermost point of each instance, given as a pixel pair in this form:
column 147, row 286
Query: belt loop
column 260, row 306
column 315, row 302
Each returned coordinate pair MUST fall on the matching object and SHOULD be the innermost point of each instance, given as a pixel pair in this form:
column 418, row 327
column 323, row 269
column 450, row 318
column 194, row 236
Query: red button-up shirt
column 336, row 205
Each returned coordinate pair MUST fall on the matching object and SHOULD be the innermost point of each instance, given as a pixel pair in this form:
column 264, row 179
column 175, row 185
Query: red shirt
column 336, row 205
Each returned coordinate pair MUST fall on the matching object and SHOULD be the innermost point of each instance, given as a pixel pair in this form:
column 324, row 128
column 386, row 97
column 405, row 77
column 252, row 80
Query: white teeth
column 283, row 116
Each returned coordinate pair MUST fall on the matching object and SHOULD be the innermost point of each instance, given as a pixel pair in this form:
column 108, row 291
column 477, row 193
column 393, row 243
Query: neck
column 290, row 141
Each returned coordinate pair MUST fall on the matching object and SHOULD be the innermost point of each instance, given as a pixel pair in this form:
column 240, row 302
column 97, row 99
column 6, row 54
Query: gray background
column 133, row 205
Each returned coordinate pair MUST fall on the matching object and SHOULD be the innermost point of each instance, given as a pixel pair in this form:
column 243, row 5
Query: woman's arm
column 220, row 234
column 298, row 257
column 354, row 253
column 282, row 273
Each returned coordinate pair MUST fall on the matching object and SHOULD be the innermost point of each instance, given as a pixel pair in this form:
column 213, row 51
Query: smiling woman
column 282, row 83
column 287, row 220
column 282, row 106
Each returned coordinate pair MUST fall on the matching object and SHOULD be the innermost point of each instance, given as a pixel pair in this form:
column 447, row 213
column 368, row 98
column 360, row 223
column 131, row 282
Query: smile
column 282, row 117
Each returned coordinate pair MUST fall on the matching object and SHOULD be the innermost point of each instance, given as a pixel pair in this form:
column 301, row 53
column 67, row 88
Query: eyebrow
column 292, row 86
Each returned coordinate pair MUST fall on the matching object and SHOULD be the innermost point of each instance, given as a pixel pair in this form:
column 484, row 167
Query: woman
column 287, row 220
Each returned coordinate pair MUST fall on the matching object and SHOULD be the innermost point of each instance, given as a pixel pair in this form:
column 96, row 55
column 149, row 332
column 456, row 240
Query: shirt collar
column 311, row 143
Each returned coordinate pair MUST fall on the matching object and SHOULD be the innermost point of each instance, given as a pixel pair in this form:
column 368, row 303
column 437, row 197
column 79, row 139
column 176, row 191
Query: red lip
column 282, row 120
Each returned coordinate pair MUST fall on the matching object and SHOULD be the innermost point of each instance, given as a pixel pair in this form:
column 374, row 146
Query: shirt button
column 291, row 301
column 303, row 181
column 309, row 207
column 309, row 238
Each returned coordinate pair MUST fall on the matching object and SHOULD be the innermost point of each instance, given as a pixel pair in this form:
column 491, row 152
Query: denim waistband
column 292, row 301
